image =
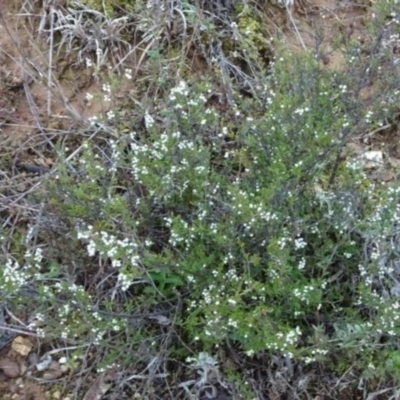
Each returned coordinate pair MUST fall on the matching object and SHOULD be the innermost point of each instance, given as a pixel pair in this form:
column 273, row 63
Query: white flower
column 91, row 248
column 106, row 88
column 89, row 97
column 299, row 243
column 88, row 62
column 128, row 73
column 148, row 120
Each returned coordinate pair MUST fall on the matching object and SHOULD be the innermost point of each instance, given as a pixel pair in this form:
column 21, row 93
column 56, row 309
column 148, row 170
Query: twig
column 372, row 133
column 147, row 377
column 50, row 66
column 21, row 331
column 289, row 11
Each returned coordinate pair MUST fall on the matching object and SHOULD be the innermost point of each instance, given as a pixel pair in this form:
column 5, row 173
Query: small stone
column 44, row 363
column 22, row 345
column 372, row 159
column 325, row 60
column 54, row 371
column 52, row 374
column 9, row 367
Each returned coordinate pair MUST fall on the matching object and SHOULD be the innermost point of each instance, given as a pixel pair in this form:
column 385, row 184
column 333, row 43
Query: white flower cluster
column 179, row 95
column 387, row 320
column 15, row 275
column 118, row 251
column 304, row 293
column 383, row 241
column 256, row 212
column 283, row 3
column 109, row 246
column 176, row 237
column 299, row 243
column 34, row 258
column 314, row 355
column 159, row 152
column 284, row 341
column 181, row 89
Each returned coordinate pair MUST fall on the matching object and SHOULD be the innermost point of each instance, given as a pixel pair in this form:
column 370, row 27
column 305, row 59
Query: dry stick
column 372, row 133
column 25, row 62
column 49, row 71
column 289, row 11
column 66, row 103
column 130, row 52
column 21, row 331
column 144, row 55
column 11, row 36
column 33, row 108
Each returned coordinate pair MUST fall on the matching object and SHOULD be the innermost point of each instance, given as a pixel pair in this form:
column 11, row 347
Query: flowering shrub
column 248, row 227
column 243, row 219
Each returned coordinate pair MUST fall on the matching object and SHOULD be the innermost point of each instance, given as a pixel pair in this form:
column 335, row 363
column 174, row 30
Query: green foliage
column 248, row 227
column 257, row 226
